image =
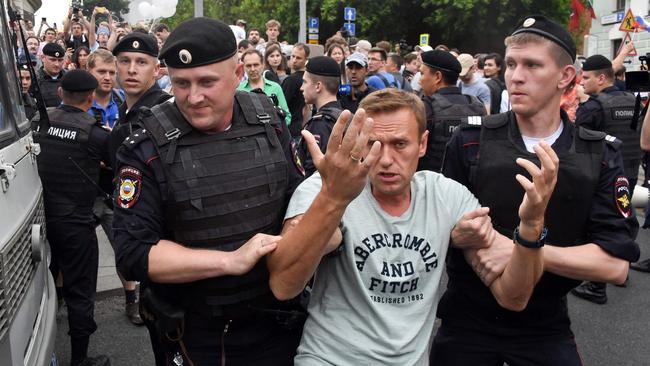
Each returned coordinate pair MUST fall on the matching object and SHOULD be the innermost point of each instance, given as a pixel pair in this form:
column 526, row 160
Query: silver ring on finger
column 354, row 158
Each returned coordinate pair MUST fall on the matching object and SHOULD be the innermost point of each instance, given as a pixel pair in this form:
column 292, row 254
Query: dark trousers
column 75, row 254
column 458, row 346
column 257, row 340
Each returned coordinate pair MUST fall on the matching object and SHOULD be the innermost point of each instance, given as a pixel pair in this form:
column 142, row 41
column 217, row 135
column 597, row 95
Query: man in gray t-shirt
column 375, row 234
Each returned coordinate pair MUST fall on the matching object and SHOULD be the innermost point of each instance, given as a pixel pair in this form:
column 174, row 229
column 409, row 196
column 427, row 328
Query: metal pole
column 198, row 8
column 302, row 33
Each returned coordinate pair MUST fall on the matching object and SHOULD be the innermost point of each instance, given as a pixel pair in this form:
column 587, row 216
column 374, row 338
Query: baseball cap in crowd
column 103, row 29
column 542, row 26
column 425, row 48
column 240, row 21
column 357, row 57
column 441, row 60
column 466, row 62
column 363, row 45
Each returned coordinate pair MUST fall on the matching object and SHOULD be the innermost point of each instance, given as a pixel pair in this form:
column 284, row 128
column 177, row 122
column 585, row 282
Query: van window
column 11, row 100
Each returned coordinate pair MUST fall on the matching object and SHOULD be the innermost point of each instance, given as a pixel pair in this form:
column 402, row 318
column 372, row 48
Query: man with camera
column 610, row 110
column 73, row 28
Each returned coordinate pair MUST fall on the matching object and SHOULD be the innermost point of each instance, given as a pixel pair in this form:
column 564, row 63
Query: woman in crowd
column 275, row 64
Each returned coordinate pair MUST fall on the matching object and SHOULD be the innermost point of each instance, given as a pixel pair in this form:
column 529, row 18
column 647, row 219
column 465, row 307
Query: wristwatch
column 530, row 244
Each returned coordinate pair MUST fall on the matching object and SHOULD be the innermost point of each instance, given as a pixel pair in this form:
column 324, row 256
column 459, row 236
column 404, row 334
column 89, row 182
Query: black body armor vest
column 49, row 88
column 442, row 123
column 493, row 179
column 63, row 157
column 618, row 109
column 222, row 188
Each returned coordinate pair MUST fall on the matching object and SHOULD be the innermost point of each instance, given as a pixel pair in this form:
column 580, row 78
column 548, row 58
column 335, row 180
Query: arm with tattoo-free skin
column 344, row 171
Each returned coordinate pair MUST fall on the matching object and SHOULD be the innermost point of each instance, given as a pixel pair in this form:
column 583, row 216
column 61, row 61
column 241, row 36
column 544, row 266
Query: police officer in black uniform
column 49, row 76
column 71, row 151
column 445, row 105
column 610, row 110
column 200, row 195
column 319, row 87
column 590, row 222
column 137, row 66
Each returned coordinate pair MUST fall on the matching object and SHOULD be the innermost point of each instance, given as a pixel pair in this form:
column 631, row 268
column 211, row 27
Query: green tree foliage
column 469, row 25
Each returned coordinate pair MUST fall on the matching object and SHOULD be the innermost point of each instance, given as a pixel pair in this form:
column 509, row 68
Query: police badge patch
column 622, row 197
column 130, row 181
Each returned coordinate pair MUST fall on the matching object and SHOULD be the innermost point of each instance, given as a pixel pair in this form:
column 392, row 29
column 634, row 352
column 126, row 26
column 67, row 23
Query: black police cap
column 137, row 42
column 78, row 81
column 441, row 60
column 198, row 42
column 53, row 50
column 542, row 26
column 596, row 62
column 323, row 66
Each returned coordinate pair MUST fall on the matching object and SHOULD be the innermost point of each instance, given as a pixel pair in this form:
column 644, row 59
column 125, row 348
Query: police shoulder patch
column 622, row 198
column 130, row 181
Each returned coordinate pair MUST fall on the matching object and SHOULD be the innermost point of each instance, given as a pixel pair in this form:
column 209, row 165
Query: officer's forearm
column 514, row 287
column 171, row 262
column 585, row 262
column 294, row 261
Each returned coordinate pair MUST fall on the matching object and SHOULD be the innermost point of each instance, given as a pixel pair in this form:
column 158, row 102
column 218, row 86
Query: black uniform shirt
column 321, row 127
column 97, row 150
column 352, row 104
column 605, row 227
column 142, row 225
column 127, row 123
column 590, row 113
column 49, row 87
column 295, row 100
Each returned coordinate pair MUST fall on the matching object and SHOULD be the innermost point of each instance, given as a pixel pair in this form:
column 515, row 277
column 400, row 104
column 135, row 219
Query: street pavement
column 617, row 333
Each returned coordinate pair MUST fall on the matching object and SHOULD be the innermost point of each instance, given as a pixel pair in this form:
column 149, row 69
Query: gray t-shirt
column 477, row 89
column 375, row 303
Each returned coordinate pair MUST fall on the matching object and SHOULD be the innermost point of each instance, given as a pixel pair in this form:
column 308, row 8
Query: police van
column 27, row 294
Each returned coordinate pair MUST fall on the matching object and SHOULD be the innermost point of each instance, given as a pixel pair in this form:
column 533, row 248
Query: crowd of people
column 288, row 204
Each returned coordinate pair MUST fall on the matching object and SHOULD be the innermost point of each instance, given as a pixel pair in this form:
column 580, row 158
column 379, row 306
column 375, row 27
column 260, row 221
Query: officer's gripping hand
column 345, row 165
column 489, row 263
column 474, row 230
column 539, row 191
column 244, row 259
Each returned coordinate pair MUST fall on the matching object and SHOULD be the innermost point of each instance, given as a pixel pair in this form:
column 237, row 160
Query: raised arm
column 522, row 267
column 344, row 169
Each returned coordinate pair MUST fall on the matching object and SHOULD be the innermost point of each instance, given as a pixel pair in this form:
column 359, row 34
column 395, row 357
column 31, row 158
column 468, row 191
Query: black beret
column 596, row 62
column 441, row 60
column 53, row 50
column 548, row 29
column 323, row 66
column 137, row 42
column 198, row 42
column 78, row 80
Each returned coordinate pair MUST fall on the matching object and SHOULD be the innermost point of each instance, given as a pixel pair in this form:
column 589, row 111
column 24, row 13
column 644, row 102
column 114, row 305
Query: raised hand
column 344, row 167
column 539, row 191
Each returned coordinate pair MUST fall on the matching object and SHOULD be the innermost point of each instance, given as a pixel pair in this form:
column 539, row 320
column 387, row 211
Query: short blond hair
column 273, row 24
column 392, row 100
column 101, row 54
column 559, row 54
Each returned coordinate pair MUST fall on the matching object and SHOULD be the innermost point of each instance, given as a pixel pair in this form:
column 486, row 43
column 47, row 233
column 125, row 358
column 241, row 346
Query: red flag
column 590, row 7
column 577, row 9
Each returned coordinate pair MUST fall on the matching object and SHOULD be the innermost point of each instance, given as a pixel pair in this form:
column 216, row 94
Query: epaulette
column 591, row 135
column 473, row 122
column 495, row 120
column 135, row 138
